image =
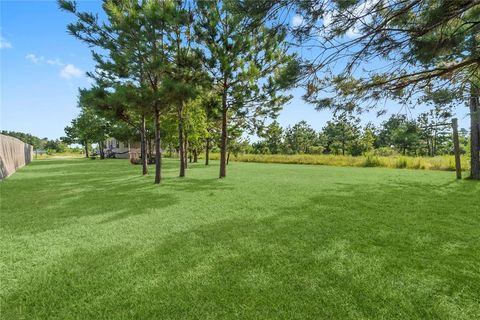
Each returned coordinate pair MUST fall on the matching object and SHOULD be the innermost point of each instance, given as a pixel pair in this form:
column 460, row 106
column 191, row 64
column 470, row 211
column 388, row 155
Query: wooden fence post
column 456, row 148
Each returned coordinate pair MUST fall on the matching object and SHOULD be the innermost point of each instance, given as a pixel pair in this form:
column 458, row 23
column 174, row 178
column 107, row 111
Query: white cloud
column 297, row 21
column 362, row 9
column 67, row 71
column 41, row 60
column 70, row 71
column 35, row 59
column 55, row 62
column 327, row 19
column 4, row 43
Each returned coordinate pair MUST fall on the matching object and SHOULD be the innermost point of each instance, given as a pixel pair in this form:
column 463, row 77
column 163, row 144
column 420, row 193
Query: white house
column 117, row 149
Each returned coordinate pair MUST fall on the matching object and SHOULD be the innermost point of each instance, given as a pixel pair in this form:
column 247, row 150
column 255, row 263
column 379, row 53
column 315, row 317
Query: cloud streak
column 34, row 59
column 67, row 71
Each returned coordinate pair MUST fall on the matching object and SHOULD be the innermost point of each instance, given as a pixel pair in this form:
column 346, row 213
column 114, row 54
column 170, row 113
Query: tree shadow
column 79, row 188
column 321, row 257
column 350, row 250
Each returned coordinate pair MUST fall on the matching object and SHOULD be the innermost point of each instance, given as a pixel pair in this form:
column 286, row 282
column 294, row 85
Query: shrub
column 372, row 161
column 401, row 163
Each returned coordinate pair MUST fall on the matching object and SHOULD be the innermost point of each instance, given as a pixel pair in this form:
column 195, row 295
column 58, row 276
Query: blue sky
column 42, row 67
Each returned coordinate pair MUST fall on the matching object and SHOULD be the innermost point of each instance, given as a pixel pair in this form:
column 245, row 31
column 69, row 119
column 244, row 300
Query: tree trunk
column 158, row 152
column 143, row 147
column 223, row 141
column 185, row 149
column 228, row 156
column 475, row 133
column 456, row 148
column 207, row 151
column 181, row 143
column 86, row 149
column 150, row 149
column 101, row 150
column 195, row 155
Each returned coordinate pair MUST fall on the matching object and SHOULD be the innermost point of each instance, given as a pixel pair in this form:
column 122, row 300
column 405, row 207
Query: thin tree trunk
column 456, row 148
column 86, row 149
column 185, row 149
column 228, row 156
column 474, row 117
column 181, row 144
column 143, row 147
column 207, row 151
column 158, row 152
column 195, row 155
column 474, row 134
column 223, row 141
column 150, row 149
column 101, row 150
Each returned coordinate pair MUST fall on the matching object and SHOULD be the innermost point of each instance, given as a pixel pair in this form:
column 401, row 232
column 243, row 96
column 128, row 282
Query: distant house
column 126, row 150
column 121, row 149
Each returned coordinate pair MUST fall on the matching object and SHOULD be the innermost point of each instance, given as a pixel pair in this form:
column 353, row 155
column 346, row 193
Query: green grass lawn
column 92, row 239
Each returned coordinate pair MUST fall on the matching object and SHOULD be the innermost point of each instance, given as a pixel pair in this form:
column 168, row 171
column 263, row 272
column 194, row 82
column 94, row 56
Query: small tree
column 342, row 135
column 300, row 138
column 246, row 61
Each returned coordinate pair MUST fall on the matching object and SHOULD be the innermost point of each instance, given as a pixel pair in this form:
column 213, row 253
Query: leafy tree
column 56, row 145
column 342, row 135
column 260, row 147
column 131, row 46
column 211, row 104
column 368, row 138
column 435, row 127
column 241, row 51
column 300, row 138
column 36, row 142
column 183, row 74
column 273, row 136
column 400, row 133
column 405, row 48
column 88, row 127
column 196, row 127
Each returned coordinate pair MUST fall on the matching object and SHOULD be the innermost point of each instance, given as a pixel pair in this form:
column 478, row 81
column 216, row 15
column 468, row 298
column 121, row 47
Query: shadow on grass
column 52, row 192
column 325, row 258
column 396, row 249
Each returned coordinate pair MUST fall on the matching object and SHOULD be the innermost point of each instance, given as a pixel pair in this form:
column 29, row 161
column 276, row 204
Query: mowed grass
column 93, row 239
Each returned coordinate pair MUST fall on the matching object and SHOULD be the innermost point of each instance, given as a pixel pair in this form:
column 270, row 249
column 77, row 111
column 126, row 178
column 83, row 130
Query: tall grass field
column 446, row 163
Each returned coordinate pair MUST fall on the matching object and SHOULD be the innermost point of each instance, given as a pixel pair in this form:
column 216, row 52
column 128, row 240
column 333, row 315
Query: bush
column 372, row 161
column 316, row 149
column 401, row 163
